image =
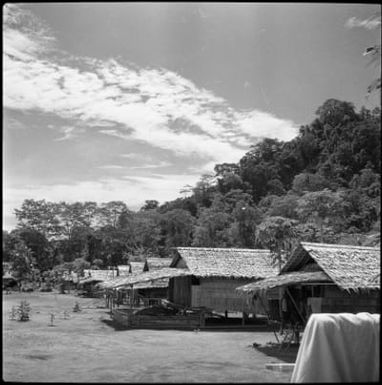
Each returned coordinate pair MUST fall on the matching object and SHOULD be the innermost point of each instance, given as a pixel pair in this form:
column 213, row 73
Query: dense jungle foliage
column 322, row 186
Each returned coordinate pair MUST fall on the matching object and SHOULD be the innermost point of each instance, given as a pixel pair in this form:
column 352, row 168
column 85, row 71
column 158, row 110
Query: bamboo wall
column 340, row 301
column 180, row 290
column 220, row 295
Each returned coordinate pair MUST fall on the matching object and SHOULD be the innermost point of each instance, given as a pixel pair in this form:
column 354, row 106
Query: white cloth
column 341, row 347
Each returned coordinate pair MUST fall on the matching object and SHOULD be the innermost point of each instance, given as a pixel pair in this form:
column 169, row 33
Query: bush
column 76, row 307
column 23, row 311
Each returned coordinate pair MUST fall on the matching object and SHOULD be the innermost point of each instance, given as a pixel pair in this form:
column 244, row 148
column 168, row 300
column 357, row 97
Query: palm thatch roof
column 97, row 275
column 286, row 279
column 155, row 263
column 155, row 266
column 349, row 267
column 376, row 279
column 225, row 262
column 160, row 283
column 146, row 276
column 123, row 269
column 136, row 267
column 109, row 283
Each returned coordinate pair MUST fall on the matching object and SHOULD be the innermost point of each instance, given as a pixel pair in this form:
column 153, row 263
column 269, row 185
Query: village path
column 83, row 347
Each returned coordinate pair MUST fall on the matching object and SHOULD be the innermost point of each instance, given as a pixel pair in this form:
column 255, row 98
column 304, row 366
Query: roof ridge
column 332, row 245
column 221, row 249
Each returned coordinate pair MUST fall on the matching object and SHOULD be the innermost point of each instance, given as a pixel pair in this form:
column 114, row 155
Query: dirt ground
column 84, row 347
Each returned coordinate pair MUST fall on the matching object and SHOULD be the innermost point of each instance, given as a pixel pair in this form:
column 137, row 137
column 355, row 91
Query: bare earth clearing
column 85, row 348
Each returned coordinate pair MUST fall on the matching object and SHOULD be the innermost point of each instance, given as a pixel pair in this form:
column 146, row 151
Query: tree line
column 321, row 186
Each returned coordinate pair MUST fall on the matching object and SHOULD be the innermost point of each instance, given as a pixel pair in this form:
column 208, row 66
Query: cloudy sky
column 133, row 101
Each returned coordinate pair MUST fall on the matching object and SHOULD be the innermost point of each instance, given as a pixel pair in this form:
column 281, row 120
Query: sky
column 133, row 101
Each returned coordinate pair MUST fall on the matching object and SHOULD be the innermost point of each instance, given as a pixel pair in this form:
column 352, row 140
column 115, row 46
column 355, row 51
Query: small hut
column 152, row 292
column 9, row 281
column 146, row 293
column 326, row 278
column 70, row 280
column 215, row 273
column 89, row 283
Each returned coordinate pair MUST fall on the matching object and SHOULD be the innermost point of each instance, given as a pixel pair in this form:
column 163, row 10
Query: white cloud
column 156, row 165
column 373, row 22
column 142, row 102
column 267, row 125
column 150, row 106
column 133, row 190
column 111, row 167
column 68, row 133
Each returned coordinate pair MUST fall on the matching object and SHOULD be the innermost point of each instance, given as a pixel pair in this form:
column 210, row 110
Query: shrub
column 23, row 311
column 76, row 307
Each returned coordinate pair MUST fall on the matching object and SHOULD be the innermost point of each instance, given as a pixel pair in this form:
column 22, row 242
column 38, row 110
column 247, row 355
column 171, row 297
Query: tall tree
column 177, row 228
column 323, row 207
column 38, row 215
column 279, row 235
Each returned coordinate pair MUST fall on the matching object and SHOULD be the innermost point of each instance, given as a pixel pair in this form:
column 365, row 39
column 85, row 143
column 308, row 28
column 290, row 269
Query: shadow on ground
column 286, row 354
column 117, row 327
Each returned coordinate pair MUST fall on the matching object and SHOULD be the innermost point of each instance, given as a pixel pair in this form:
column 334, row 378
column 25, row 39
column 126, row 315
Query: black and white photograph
column 191, row 192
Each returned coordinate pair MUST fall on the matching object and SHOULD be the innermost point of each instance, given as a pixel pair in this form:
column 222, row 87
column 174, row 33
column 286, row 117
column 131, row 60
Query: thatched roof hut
column 225, row 262
column 214, row 275
column 348, row 267
column 135, row 270
column 8, row 277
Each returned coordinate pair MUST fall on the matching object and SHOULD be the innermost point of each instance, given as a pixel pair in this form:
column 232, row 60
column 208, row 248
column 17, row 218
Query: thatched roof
column 97, row 275
column 349, row 267
column 286, row 279
column 146, row 276
column 376, row 279
column 225, row 262
column 123, row 269
column 109, row 283
column 136, row 267
column 157, row 284
column 155, row 263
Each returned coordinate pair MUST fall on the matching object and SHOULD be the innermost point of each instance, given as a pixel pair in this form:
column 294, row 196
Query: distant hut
column 214, row 274
column 9, row 281
column 89, row 283
column 151, row 292
column 70, row 280
column 326, row 278
column 147, row 293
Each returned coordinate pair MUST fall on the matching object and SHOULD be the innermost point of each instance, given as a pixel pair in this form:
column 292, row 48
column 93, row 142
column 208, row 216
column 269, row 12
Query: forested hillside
column 322, row 186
